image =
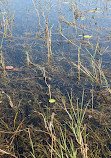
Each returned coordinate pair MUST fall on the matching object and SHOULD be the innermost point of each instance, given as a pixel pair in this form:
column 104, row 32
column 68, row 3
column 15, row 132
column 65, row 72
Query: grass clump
column 62, row 143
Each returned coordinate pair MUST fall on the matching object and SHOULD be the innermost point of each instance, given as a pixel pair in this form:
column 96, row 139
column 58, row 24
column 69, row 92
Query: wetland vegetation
column 55, row 76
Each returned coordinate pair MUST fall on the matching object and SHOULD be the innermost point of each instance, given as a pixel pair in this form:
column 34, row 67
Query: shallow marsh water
column 57, row 49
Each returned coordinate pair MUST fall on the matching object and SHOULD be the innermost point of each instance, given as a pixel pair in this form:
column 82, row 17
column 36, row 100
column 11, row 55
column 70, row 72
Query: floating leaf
column 87, row 36
column 80, row 35
column 92, row 11
column 51, row 100
column 9, row 67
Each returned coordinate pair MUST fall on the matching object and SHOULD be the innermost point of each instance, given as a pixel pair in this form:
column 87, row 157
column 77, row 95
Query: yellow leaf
column 80, row 35
column 51, row 100
column 87, row 36
column 92, row 11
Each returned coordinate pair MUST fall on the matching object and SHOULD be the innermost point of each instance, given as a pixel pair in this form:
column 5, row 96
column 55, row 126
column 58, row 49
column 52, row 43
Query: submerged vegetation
column 55, row 75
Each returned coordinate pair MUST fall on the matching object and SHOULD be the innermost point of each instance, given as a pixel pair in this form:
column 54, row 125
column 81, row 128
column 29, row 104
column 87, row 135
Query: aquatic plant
column 64, row 146
column 39, row 116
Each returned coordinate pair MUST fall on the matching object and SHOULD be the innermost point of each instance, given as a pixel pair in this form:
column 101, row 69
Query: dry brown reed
column 48, row 39
column 7, row 153
column 79, row 63
column 50, row 129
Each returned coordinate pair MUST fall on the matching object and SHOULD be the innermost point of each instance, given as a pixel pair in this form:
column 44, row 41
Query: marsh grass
column 54, row 139
column 95, row 72
column 7, row 153
column 9, row 98
column 27, row 57
column 31, row 143
column 31, row 126
column 76, row 124
column 63, row 146
column 7, row 24
column 1, row 57
column 47, row 31
column 48, row 39
column 79, row 63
